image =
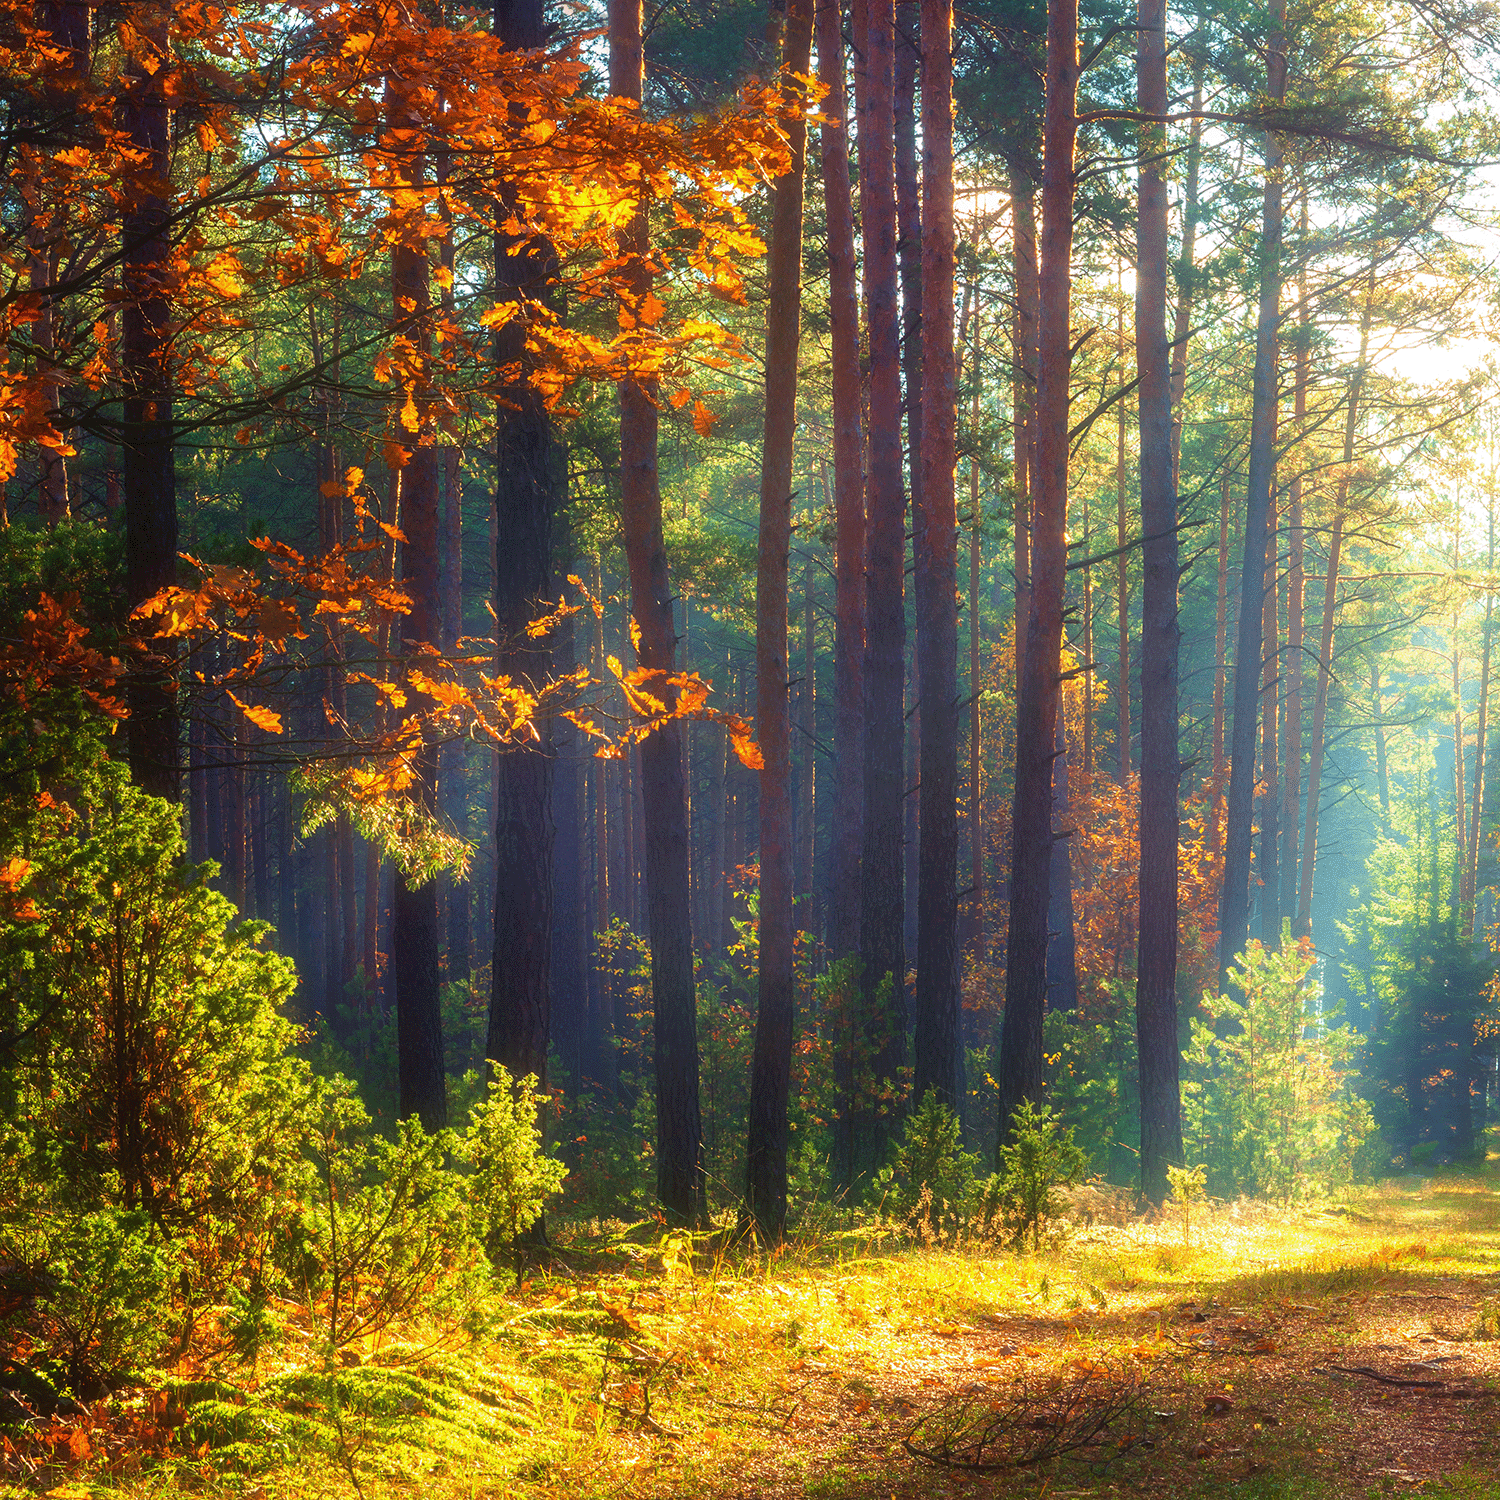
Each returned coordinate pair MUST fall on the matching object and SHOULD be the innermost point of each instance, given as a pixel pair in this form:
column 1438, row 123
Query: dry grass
column 623, row 1371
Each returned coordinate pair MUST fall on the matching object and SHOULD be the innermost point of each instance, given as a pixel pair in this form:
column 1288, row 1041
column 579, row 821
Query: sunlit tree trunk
column 1234, row 908
column 1023, row 391
column 775, row 1010
column 1039, row 688
column 680, row 1184
column 1156, row 951
column 1270, row 765
column 1302, row 926
column 1296, row 589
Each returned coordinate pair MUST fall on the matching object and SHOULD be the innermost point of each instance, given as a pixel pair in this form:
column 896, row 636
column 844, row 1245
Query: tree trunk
column 528, row 488
column 1182, row 323
column 776, row 990
column 882, row 907
column 1221, row 632
column 1303, row 924
column 807, row 787
column 848, row 499
column 1482, row 730
column 1296, row 605
column 1122, row 574
column 680, row 1182
column 1270, row 764
column 570, row 920
column 1234, row 899
column 1024, row 391
column 938, row 1043
column 1156, row 951
column 414, row 923
column 149, row 480
column 1039, row 687
column 976, row 677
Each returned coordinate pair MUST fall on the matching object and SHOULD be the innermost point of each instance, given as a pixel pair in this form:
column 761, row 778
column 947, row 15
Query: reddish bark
column 775, row 1010
column 882, row 946
column 1039, row 688
column 680, row 1185
column 938, row 1049
column 1156, row 950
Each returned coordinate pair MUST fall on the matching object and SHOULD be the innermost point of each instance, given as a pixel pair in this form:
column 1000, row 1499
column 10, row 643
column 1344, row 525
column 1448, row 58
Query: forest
column 744, row 748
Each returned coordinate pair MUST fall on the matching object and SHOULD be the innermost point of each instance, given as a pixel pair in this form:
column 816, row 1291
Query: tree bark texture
column 528, row 494
column 1039, row 687
column 1302, row 927
column 1234, row 899
column 882, row 945
column 776, row 990
column 1156, row 949
column 938, row 1051
column 680, row 1185
column 148, row 469
column 848, row 496
column 414, row 924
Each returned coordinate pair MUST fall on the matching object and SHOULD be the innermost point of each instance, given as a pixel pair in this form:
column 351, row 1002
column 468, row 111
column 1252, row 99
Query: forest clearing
column 1351, row 1351
column 744, row 748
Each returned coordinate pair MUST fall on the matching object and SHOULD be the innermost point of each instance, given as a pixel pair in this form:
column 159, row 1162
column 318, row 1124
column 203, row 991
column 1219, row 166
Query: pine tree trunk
column 882, row 906
column 1266, row 875
column 1482, row 729
column 1024, row 392
column 1156, row 951
column 1123, row 730
column 1182, row 323
column 1296, row 606
column 1302, row 927
column 149, row 480
column 938, row 1044
column 1234, row 899
column 776, row 992
column 414, row 922
column 1221, row 635
column 807, row 784
column 976, row 678
column 848, row 499
column 680, row 1183
column 528, row 493
column 1039, row 687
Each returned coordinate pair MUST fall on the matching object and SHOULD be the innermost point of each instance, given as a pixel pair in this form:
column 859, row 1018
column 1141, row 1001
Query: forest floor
column 1348, row 1351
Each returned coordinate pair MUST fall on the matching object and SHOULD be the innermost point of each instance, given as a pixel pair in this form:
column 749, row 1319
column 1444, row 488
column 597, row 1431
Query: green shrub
column 930, row 1180
column 1039, row 1157
column 511, row 1175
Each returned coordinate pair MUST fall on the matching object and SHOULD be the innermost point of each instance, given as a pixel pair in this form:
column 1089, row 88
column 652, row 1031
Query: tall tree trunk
column 528, row 488
column 976, row 679
column 149, row 480
column 1182, row 323
column 414, row 922
column 570, row 919
column 1303, row 924
column 848, row 498
column 1296, row 607
column 1040, row 686
column 807, row 787
column 938, row 1042
column 1156, row 951
column 680, row 1183
column 1122, row 573
column 1482, row 730
column 882, row 907
column 1221, row 631
column 1024, row 390
column 1234, row 899
column 1270, row 764
column 776, row 989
